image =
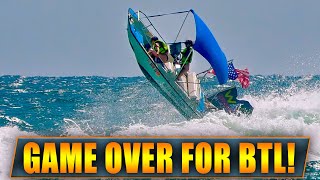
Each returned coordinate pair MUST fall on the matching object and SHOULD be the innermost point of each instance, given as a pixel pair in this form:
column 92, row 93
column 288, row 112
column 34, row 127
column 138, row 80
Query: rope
column 204, row 71
column 187, row 82
column 182, row 26
column 165, row 14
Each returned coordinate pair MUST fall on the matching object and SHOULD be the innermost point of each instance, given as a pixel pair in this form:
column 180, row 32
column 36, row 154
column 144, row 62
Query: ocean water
column 59, row 106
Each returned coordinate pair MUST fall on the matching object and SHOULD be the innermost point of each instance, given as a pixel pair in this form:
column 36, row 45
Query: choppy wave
column 295, row 115
column 283, row 106
column 8, row 140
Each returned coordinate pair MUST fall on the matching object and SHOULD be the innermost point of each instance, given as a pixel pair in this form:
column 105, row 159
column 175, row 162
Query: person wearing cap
column 186, row 58
column 159, row 49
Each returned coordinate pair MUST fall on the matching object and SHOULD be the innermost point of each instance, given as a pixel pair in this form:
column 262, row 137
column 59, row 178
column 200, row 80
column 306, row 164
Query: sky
column 89, row 37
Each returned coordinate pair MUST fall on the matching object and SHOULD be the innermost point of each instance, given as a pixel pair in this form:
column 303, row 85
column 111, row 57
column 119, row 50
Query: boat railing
column 185, row 90
column 151, row 24
column 164, row 66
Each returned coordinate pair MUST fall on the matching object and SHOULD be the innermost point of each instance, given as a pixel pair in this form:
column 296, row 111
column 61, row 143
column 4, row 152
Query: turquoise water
column 55, row 106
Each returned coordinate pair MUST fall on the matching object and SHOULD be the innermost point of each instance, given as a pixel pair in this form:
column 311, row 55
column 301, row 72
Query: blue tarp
column 208, row 47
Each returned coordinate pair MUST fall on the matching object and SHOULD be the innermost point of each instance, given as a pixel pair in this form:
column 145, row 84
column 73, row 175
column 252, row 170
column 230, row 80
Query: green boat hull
column 164, row 81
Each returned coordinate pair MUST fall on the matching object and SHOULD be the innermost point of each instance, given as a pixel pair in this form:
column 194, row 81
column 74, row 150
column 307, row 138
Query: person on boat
column 186, row 58
column 159, row 50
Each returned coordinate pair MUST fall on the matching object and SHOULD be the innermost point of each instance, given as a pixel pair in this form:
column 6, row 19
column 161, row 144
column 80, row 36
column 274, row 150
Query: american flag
column 211, row 71
column 243, row 77
column 233, row 74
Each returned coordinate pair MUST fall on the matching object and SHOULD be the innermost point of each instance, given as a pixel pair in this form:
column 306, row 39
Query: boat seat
column 175, row 49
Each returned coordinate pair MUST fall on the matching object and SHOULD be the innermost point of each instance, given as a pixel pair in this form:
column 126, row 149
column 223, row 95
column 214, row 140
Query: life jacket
column 186, row 55
column 163, row 47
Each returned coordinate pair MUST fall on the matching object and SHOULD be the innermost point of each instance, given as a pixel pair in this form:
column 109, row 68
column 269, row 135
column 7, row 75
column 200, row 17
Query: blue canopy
column 208, row 47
